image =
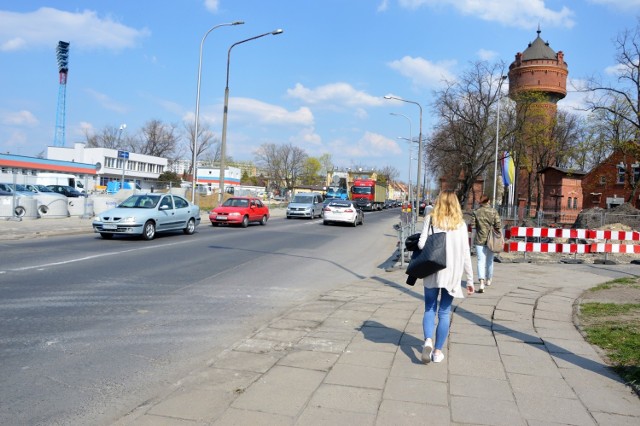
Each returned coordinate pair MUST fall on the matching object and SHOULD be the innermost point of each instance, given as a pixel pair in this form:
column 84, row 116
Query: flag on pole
column 508, row 169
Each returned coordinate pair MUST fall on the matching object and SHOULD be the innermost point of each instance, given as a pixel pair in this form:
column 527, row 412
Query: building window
column 636, row 172
column 569, row 202
column 575, row 203
column 603, row 180
column 620, row 174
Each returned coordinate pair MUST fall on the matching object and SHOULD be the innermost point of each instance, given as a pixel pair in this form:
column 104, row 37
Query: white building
column 139, row 168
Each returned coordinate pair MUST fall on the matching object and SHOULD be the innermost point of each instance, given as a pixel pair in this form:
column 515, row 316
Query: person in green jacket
column 486, row 218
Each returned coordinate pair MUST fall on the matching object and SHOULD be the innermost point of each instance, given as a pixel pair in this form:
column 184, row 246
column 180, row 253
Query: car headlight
column 97, row 219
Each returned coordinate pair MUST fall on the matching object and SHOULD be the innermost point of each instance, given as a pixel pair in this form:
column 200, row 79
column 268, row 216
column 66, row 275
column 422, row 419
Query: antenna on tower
column 62, row 54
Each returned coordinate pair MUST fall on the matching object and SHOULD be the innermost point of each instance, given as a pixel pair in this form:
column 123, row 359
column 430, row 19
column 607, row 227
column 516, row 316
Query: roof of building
column 565, row 171
column 538, row 49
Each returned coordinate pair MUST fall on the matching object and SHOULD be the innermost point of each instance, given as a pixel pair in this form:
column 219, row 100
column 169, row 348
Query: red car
column 240, row 211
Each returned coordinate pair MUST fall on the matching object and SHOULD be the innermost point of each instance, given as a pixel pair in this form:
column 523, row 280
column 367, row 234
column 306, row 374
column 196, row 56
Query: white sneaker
column 488, row 283
column 427, row 350
column 481, row 289
column 438, row 357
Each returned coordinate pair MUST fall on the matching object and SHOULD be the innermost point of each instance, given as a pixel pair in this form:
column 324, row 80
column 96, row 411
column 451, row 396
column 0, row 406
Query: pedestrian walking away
column 443, row 286
column 486, row 218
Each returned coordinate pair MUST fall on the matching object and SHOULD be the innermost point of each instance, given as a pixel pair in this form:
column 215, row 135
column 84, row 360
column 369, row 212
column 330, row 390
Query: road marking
column 81, row 259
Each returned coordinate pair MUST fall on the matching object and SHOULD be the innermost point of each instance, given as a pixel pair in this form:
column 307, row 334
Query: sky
column 319, row 85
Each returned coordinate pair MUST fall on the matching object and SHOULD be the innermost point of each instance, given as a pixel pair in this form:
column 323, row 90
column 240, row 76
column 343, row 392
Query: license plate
column 221, row 218
column 106, row 226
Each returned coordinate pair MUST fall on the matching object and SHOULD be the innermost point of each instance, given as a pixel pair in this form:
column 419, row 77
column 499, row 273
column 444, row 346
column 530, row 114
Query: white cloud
column 308, row 137
column 106, row 101
column 383, row 6
column 513, row 13
column 19, row 118
column 424, row 73
column 212, row 5
column 263, row 113
column 335, row 93
column 369, row 145
column 487, row 55
column 618, row 4
column 85, row 30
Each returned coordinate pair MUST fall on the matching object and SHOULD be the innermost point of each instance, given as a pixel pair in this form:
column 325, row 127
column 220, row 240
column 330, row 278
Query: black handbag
column 432, row 258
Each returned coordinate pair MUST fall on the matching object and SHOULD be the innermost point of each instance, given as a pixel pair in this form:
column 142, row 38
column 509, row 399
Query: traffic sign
column 123, row 154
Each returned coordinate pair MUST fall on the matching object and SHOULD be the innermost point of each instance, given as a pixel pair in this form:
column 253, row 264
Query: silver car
column 146, row 214
column 308, row 204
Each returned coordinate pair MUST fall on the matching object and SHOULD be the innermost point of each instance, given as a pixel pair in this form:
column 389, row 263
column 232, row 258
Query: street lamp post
column 419, row 140
column 410, row 141
column 223, row 143
column 495, row 165
column 120, row 130
column 194, row 156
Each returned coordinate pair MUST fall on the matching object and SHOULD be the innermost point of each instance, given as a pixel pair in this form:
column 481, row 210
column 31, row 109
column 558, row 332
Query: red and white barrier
column 590, row 247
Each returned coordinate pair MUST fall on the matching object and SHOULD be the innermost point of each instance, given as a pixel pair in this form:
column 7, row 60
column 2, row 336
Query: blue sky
column 319, row 85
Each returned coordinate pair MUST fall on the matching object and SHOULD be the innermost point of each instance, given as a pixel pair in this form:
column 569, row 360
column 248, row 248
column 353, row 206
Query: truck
column 45, row 178
column 368, row 194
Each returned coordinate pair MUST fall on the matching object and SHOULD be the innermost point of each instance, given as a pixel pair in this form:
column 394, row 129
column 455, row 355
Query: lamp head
column 276, row 32
column 387, row 97
column 237, row 23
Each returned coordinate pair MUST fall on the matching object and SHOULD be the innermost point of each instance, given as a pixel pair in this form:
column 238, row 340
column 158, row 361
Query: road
column 92, row 328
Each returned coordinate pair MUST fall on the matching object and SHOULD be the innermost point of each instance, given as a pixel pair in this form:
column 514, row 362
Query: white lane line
column 81, row 259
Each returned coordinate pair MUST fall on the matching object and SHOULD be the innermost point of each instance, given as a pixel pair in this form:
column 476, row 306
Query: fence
column 514, row 216
column 576, row 241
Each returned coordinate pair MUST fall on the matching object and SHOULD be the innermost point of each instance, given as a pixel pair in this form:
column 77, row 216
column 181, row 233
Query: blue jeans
column 444, row 315
column 485, row 262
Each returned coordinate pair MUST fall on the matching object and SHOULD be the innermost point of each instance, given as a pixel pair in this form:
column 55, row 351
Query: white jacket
column 458, row 260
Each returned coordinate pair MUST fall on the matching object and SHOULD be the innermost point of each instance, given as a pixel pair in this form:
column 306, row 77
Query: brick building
column 607, row 185
column 562, row 195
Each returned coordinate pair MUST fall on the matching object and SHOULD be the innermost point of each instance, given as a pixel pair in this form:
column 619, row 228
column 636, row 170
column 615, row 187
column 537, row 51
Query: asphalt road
column 92, row 328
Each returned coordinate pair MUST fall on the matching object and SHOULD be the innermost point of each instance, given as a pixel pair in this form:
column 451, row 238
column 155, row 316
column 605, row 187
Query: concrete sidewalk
column 514, row 357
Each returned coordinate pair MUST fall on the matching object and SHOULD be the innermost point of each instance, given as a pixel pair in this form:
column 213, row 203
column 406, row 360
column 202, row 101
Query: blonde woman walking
column 442, row 287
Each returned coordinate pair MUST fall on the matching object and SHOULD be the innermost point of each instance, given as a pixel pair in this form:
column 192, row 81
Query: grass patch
column 615, row 328
column 626, row 281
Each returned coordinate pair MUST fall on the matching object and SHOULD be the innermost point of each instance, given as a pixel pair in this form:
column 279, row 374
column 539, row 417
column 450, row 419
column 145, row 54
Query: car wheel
column 355, row 222
column 214, row 223
column 362, row 220
column 245, row 222
column 191, row 227
column 149, row 230
column 20, row 211
column 288, row 217
column 325, row 222
column 106, row 236
column 263, row 221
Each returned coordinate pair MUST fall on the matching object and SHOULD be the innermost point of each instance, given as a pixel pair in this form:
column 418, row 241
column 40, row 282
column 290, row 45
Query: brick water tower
column 537, row 81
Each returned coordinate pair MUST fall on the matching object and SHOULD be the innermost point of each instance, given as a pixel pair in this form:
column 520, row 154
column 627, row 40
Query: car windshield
column 42, row 188
column 361, row 189
column 302, row 199
column 236, row 202
column 21, row 188
column 142, row 201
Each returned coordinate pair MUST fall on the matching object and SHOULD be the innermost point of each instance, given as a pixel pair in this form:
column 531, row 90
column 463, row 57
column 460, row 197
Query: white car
column 342, row 211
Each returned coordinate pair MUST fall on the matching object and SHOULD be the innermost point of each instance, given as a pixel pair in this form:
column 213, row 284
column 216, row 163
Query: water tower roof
column 538, row 49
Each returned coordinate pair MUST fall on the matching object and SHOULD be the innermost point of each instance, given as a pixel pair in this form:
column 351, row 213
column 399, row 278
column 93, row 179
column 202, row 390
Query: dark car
column 65, row 190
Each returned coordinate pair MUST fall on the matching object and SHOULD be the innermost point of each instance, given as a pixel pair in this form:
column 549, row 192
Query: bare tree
column 109, row 137
column 388, row 174
column 157, row 139
column 463, row 145
column 284, row 163
column 621, row 103
column 207, row 142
